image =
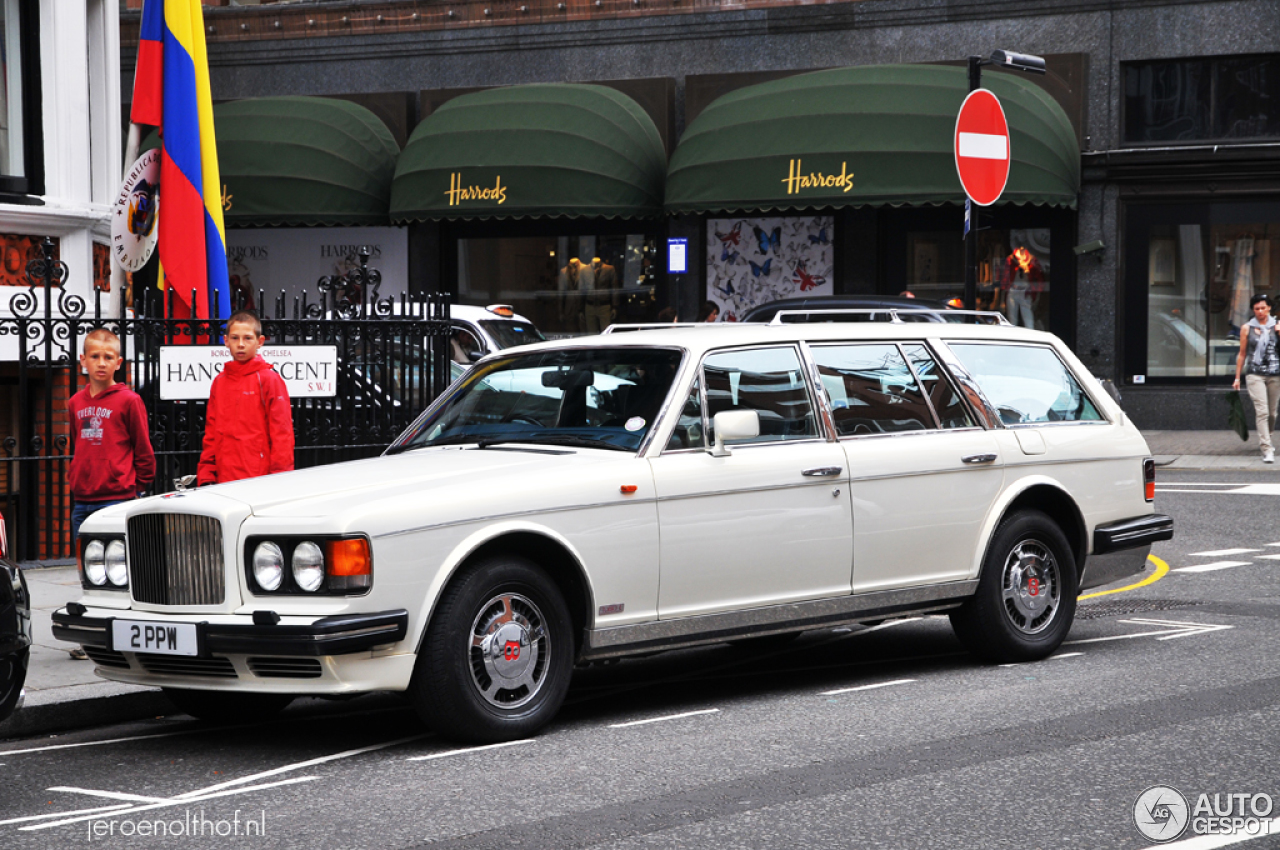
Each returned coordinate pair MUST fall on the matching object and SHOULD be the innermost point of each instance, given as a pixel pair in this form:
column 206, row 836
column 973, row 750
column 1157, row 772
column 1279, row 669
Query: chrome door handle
column 978, row 459
column 822, row 471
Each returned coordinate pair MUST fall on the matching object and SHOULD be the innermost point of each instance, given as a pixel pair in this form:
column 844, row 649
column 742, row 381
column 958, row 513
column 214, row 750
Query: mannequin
column 601, row 296
column 567, row 287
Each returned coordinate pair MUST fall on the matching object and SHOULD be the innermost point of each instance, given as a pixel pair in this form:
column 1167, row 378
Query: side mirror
column 733, row 425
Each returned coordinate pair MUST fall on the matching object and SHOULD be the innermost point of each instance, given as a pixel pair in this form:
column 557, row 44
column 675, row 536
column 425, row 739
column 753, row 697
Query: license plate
column 161, row 638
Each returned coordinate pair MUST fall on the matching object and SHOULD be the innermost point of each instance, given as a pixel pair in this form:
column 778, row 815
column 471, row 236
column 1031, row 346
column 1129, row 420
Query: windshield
column 507, row 334
column 590, row 397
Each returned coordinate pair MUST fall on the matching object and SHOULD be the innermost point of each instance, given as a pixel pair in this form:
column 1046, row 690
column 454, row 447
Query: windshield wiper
column 555, row 440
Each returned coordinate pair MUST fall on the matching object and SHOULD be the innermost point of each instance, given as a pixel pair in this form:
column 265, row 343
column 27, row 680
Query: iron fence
column 392, row 359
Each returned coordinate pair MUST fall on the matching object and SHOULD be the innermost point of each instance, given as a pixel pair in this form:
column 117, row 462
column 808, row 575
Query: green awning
column 303, row 161
column 864, row 136
column 542, row 150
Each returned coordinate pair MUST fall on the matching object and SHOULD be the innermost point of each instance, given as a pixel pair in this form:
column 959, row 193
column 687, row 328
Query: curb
column 86, row 712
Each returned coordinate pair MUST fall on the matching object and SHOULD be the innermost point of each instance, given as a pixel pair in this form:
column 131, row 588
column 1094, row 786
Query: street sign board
column 982, row 147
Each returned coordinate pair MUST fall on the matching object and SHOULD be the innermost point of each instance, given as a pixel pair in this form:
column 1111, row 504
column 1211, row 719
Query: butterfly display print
column 771, row 258
column 767, row 240
column 805, row 280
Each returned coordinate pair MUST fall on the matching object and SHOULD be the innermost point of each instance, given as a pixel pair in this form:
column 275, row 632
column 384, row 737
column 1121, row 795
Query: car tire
column 498, row 654
column 13, row 675
column 227, row 707
column 1026, row 596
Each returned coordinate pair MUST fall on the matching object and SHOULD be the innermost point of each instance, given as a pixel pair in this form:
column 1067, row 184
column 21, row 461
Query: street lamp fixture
column 1015, row 61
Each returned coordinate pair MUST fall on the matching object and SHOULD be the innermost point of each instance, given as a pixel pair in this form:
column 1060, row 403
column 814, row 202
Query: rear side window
column 767, row 380
column 1026, row 383
column 872, row 390
column 946, row 401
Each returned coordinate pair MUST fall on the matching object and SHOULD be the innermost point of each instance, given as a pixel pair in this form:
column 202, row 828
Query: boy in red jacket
column 111, row 456
column 248, row 428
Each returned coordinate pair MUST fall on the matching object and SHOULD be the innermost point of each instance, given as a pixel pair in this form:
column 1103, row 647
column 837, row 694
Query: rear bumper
column 338, row 635
column 1132, row 533
column 1120, row 549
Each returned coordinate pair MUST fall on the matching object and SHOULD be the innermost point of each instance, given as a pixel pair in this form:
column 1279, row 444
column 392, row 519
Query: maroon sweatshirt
column 111, row 449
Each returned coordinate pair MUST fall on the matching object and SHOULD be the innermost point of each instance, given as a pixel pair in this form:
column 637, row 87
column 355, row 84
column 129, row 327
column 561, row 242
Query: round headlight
column 117, row 568
column 95, row 563
column 268, row 566
column 308, row 566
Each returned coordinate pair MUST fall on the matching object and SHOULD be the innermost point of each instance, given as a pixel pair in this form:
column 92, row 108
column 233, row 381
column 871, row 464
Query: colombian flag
column 171, row 92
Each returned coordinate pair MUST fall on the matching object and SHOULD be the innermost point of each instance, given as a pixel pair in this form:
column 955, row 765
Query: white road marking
column 662, row 719
column 1209, row 842
column 866, row 687
column 1268, row 557
column 470, row 750
column 1050, row 658
column 173, row 801
column 1174, row 629
column 48, row 815
column 1264, row 489
column 299, row 765
column 1221, row 553
column 110, row 795
column 1208, row 568
column 99, row 743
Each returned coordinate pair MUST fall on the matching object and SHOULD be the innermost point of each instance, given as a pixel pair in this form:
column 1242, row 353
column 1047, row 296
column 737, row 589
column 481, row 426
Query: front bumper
column 338, row 635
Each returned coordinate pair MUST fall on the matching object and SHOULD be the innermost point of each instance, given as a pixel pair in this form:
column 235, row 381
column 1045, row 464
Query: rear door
column 923, row 472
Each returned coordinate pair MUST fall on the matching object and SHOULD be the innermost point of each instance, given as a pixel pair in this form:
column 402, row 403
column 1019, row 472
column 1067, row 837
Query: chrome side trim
column 797, row 616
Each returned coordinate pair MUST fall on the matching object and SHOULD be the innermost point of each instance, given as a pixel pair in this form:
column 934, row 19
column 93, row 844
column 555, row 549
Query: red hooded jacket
column 111, row 456
column 248, row 429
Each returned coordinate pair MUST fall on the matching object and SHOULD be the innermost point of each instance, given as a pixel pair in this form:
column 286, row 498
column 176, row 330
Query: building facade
column 1142, row 266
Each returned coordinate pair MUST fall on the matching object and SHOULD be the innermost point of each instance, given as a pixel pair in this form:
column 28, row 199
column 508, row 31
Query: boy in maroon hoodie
column 112, row 460
column 248, row 428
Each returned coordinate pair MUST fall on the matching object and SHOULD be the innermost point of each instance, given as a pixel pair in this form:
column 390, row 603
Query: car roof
column 699, row 338
column 765, row 312
column 472, row 313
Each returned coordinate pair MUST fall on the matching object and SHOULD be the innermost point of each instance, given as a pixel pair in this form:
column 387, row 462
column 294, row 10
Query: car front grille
column 176, row 559
column 182, row 665
column 285, row 668
column 104, row 657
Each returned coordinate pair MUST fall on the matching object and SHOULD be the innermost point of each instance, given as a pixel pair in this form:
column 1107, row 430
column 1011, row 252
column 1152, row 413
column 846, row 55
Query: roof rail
column 662, row 326
column 989, row 316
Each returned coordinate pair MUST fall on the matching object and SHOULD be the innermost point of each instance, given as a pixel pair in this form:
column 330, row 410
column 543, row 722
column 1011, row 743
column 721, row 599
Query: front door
column 771, row 522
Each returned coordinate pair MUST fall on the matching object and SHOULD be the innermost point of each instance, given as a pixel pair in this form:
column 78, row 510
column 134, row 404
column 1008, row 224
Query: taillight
column 1149, row 479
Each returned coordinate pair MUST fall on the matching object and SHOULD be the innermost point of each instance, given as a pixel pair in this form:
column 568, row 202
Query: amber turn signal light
column 349, row 558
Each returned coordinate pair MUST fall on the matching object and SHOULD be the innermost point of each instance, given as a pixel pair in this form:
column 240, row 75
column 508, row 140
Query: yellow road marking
column 1162, row 569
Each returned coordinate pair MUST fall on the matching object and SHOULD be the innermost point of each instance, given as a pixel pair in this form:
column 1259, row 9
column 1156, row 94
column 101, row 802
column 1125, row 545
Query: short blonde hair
column 246, row 317
column 103, row 336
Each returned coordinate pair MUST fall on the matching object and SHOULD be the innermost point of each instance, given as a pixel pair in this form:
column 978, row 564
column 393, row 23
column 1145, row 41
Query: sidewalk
column 65, row 694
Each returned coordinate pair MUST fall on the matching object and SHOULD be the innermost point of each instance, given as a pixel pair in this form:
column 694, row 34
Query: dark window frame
column 1212, row 68
column 19, row 188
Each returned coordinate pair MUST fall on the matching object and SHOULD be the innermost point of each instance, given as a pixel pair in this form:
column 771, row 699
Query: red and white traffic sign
column 982, row 147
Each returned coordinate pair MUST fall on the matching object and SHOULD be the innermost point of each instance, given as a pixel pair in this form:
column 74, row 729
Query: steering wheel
column 523, row 418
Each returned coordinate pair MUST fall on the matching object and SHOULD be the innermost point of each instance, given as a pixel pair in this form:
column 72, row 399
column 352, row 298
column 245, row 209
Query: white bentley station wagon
column 633, row 492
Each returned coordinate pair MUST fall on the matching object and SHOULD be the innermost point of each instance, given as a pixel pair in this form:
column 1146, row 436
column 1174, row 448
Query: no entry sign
column 982, row 147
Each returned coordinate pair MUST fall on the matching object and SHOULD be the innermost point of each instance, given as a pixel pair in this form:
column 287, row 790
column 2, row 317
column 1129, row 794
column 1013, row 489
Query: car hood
column 452, row 482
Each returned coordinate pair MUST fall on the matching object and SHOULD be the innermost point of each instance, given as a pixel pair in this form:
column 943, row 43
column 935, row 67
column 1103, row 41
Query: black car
column 766, row 312
column 15, row 631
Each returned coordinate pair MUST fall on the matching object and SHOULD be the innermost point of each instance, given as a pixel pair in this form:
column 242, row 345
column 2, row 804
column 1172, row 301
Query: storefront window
column 1199, row 281
column 1013, row 271
column 566, row 285
column 752, row 261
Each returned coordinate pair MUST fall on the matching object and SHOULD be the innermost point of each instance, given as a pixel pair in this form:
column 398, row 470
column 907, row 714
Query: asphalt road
column 883, row 737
